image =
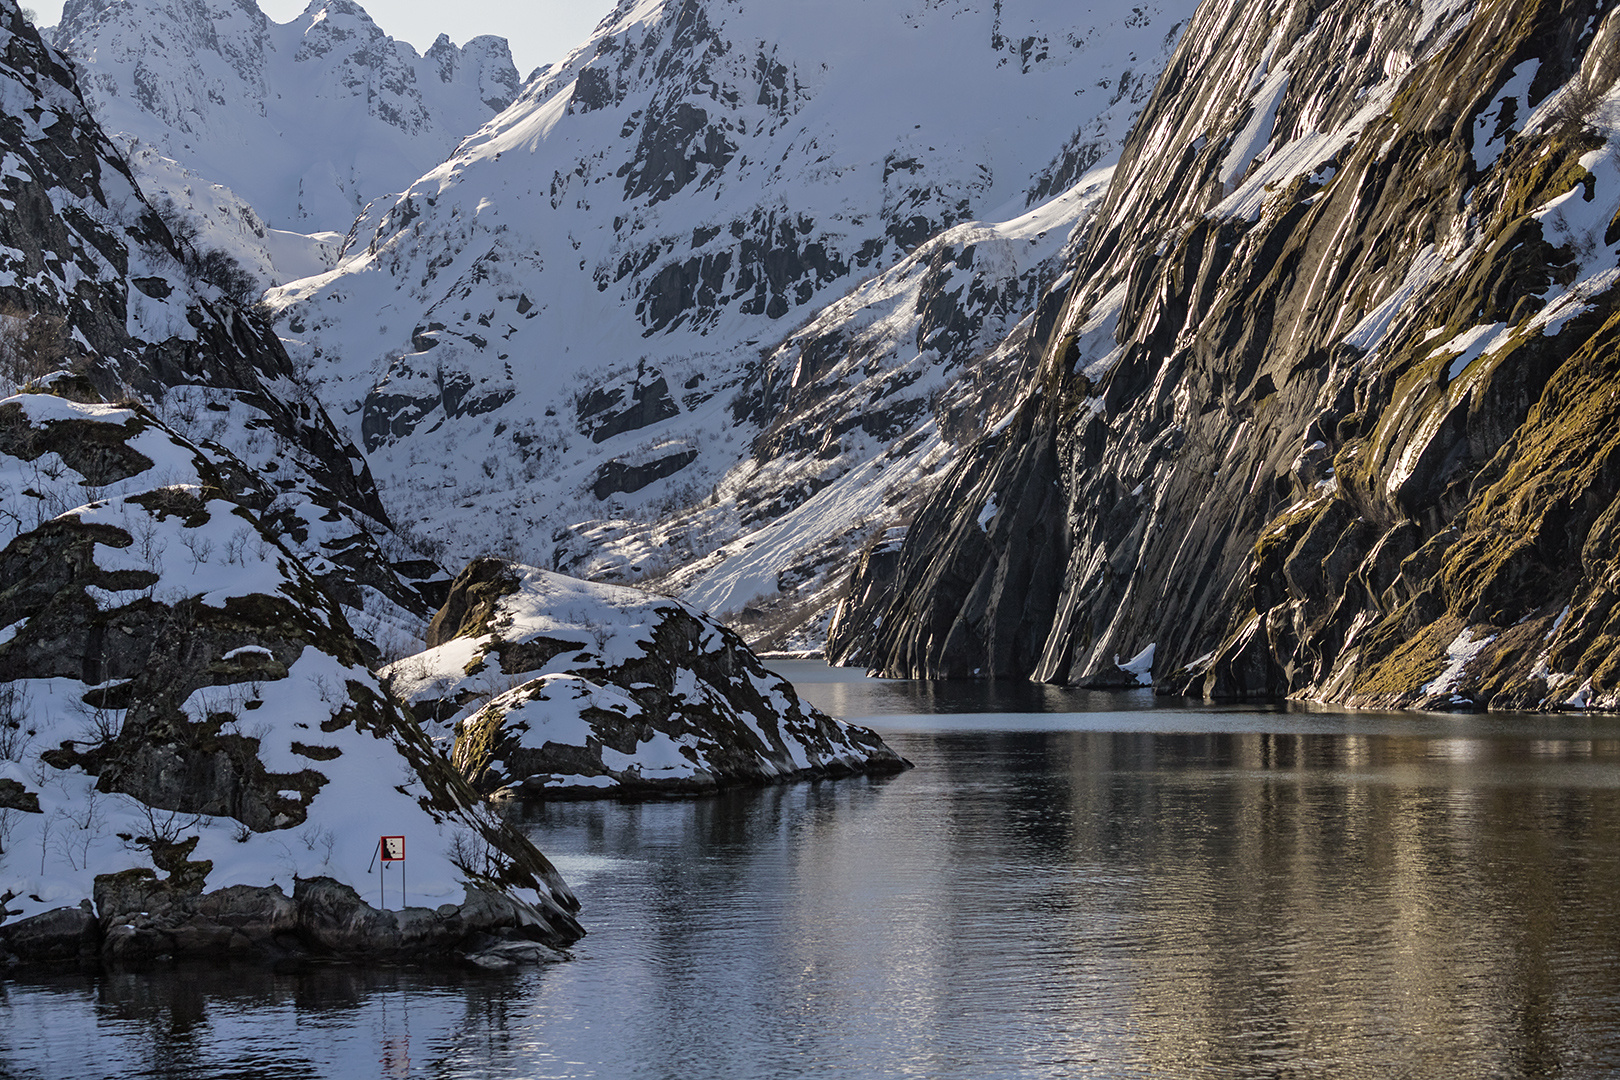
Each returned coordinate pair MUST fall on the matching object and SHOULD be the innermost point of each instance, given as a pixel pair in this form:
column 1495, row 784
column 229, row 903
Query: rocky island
column 548, row 686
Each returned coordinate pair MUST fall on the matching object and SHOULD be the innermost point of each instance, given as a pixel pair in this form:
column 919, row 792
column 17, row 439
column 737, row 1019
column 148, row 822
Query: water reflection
column 1253, row 895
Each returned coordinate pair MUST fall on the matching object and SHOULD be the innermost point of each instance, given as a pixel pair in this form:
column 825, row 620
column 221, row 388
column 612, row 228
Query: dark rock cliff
column 1326, row 412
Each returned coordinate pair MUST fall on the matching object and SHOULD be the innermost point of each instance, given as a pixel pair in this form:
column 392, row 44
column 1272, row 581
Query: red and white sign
column 393, row 848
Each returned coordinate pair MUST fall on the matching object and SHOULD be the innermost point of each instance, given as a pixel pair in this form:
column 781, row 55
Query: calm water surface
column 1067, row 885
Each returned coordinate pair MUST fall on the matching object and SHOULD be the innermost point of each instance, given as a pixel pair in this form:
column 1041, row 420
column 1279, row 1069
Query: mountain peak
column 581, row 296
column 305, row 121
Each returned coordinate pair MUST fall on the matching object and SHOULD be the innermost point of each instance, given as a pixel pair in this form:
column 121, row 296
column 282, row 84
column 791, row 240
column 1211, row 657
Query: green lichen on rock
column 472, row 608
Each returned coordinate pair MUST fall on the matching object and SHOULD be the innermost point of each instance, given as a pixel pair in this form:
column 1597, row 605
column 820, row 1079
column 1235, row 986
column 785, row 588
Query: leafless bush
column 207, row 265
column 30, row 347
column 159, row 827
column 1575, row 110
column 16, row 732
column 473, row 856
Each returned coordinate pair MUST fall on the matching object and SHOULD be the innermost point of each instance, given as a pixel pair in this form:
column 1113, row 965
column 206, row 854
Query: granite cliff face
column 1326, row 407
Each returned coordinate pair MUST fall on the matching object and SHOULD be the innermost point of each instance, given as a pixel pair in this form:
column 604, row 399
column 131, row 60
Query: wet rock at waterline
column 549, row 686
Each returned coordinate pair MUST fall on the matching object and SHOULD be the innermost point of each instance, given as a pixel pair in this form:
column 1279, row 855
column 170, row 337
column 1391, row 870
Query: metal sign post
column 392, row 849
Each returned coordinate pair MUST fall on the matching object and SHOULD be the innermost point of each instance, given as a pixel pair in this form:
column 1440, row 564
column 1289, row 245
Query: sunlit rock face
column 724, row 291
column 547, row 686
column 1327, row 411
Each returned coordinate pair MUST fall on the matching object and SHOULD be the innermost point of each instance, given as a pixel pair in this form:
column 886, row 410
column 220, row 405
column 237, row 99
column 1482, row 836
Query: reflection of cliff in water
column 1423, row 898
column 1382, row 900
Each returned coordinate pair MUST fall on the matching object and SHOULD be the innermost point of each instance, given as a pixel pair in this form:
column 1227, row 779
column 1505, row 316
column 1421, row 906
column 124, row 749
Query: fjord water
column 1067, row 884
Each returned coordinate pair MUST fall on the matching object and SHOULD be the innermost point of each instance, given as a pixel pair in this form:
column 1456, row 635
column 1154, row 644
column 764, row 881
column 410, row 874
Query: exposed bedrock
column 1327, row 415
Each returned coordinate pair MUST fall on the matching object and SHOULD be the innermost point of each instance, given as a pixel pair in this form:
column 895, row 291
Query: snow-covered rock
column 188, row 734
column 559, row 688
column 271, row 138
column 568, row 333
column 192, row 746
column 91, row 279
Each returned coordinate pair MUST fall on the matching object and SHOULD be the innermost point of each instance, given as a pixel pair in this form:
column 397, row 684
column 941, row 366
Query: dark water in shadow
column 1099, row 886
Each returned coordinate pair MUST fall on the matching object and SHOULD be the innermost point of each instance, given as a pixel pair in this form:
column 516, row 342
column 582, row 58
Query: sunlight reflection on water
column 1101, row 887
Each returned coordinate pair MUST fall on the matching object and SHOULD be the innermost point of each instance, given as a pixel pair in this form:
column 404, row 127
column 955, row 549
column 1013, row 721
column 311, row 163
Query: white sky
column 540, row 31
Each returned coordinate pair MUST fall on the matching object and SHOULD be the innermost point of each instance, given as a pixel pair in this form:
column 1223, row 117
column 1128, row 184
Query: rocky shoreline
column 137, row 920
column 538, row 685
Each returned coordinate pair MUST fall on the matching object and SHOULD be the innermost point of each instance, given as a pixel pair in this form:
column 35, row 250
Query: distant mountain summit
column 261, row 131
column 559, row 341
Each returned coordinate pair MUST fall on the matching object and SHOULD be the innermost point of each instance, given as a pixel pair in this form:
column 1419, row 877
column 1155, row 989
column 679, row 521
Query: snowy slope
column 193, row 700
column 90, row 279
column 860, row 409
column 551, row 330
column 264, row 132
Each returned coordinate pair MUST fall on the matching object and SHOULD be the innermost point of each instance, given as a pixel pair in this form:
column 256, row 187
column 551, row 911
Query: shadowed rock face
column 1325, row 414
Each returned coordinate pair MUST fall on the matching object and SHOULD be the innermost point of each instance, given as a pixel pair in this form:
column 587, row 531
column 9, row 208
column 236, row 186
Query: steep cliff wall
column 1326, row 411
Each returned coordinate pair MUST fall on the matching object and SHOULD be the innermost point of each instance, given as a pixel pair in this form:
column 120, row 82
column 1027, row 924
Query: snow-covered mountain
column 567, row 335
column 197, row 583
column 263, row 134
column 183, row 648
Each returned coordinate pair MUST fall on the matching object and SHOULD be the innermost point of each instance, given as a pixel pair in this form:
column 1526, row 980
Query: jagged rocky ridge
column 552, row 687
column 191, row 742
column 1327, row 410
column 585, row 304
column 268, row 138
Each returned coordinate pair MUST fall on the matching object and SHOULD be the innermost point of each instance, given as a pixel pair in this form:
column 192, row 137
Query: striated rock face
column 1325, row 410
column 557, row 688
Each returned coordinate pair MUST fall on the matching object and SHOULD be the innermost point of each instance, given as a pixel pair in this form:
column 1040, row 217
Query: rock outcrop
column 187, row 730
column 551, row 687
column 91, row 279
column 1325, row 412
